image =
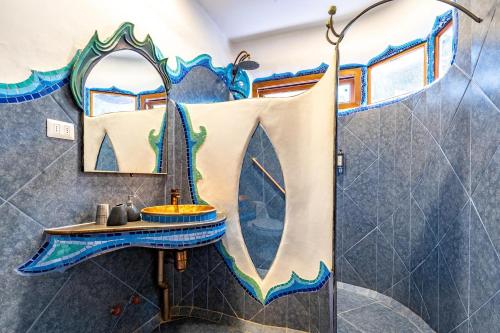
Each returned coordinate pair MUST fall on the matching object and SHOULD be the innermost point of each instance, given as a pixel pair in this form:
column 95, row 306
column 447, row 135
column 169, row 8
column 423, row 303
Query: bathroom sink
column 178, row 213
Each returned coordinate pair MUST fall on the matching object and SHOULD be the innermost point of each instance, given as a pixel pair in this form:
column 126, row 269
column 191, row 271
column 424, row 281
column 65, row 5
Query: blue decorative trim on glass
column 37, row 85
column 392, row 50
column 62, row 251
column 42, row 83
column 294, row 285
column 240, row 88
column 176, row 219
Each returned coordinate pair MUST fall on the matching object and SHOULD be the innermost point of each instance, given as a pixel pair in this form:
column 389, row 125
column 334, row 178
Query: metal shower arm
column 342, row 33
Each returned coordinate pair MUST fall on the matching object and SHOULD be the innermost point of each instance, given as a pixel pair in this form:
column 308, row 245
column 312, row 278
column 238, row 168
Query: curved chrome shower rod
column 341, row 35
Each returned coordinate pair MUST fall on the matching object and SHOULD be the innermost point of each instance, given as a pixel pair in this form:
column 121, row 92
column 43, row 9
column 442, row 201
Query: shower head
column 243, row 61
column 248, row 65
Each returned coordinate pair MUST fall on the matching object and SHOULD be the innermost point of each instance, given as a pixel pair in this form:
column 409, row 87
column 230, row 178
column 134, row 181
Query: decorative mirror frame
column 122, row 39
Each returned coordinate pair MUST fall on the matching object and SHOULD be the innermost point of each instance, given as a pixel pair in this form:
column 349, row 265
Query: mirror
column 123, row 81
column 120, row 87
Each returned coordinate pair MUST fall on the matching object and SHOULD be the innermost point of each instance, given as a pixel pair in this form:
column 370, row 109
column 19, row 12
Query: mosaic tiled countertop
column 67, row 246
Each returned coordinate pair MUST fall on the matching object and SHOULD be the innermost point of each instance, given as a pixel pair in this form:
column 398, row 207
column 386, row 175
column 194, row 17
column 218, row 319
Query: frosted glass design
column 445, row 51
column 345, row 93
column 398, row 76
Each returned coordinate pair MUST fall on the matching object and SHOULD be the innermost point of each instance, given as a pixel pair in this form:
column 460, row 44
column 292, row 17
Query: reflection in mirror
column 123, row 81
column 261, row 201
column 125, row 107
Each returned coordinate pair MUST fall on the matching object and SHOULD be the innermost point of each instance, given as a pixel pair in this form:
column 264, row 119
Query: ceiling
column 241, row 20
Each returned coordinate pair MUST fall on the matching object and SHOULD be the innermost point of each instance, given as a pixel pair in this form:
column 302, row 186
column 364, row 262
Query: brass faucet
column 175, row 196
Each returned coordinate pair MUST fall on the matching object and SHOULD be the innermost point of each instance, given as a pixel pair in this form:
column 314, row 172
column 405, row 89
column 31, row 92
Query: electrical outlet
column 60, row 130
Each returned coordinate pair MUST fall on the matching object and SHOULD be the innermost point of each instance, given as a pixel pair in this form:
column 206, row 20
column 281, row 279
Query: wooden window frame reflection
column 298, row 83
column 305, row 82
column 437, row 58
column 152, row 99
column 422, row 45
column 91, row 98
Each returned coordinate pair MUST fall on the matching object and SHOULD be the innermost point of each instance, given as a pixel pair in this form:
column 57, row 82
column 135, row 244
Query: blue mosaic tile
column 62, row 251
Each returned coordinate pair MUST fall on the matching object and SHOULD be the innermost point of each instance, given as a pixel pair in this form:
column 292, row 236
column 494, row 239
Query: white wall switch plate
column 60, row 130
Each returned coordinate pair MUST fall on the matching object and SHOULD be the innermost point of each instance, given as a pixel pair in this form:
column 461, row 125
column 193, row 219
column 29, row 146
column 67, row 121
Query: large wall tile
column 426, row 193
column 456, row 141
column 455, row 250
column 453, row 86
column 64, row 195
column 485, row 132
column 355, row 225
column 89, row 288
column 362, row 192
column 386, row 195
column 486, row 198
column 387, row 144
column 488, row 317
column 21, row 237
column 402, row 231
column 452, row 197
column 488, row 60
column 26, row 149
column 484, row 265
column 385, row 257
column 422, row 239
column 363, row 258
column 430, row 288
column 449, row 299
column 366, row 126
column 357, row 157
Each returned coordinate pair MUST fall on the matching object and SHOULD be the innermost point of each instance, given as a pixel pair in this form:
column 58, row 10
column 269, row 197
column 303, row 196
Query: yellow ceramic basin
column 179, row 213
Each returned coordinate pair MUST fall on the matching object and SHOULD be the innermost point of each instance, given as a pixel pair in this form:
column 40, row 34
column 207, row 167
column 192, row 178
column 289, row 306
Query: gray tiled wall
column 418, row 216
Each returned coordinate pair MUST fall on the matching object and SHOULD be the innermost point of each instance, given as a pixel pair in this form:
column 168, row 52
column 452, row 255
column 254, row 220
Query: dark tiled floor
column 359, row 311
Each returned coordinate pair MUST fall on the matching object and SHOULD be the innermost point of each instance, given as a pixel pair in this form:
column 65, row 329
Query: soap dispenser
column 133, row 213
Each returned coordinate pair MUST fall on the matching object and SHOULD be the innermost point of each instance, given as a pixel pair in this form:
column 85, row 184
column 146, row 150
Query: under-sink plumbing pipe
column 163, row 285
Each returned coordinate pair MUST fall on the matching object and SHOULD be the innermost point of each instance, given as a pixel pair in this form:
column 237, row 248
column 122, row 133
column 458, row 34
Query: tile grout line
column 361, row 331
column 41, row 172
column 123, row 282
column 50, row 302
column 486, row 230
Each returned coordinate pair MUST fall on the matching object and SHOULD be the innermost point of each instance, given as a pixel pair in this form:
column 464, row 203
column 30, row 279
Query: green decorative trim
column 156, row 143
column 122, row 39
column 63, row 250
column 294, row 285
column 38, row 84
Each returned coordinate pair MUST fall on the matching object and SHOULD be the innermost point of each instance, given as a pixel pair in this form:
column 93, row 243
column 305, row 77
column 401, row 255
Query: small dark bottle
column 133, row 213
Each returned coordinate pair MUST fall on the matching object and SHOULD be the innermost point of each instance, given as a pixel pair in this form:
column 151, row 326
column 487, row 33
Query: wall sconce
column 340, row 163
